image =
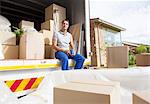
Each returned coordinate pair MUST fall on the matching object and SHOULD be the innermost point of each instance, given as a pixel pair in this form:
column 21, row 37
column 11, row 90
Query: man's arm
column 54, row 45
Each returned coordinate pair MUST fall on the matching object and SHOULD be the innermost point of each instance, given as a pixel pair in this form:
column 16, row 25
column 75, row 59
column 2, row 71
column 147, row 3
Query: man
column 62, row 42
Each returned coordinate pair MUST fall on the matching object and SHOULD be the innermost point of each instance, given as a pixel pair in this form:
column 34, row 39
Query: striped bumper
column 23, row 84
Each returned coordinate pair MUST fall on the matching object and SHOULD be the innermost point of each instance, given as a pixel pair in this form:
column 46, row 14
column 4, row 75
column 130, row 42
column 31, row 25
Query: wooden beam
column 20, row 11
column 22, row 5
column 37, row 2
column 12, row 15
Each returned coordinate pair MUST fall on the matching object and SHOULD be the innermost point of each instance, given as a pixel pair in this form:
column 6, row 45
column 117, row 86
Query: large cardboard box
column 24, row 24
column 48, row 25
column 8, row 38
column 48, row 36
column 49, row 52
column 141, row 97
column 10, row 51
column 117, row 57
column 87, row 92
column 31, row 46
column 56, row 13
column 143, row 59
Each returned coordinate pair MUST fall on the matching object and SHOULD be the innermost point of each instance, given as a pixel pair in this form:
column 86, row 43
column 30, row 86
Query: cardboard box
column 56, row 13
column 48, row 36
column 48, row 25
column 143, row 59
column 117, row 57
column 49, row 52
column 10, row 51
column 141, row 97
column 87, row 92
column 8, row 38
column 24, row 23
column 31, row 46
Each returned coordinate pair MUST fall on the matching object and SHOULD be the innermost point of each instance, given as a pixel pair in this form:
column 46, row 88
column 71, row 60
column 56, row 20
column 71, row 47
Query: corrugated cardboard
column 143, row 59
column 98, row 47
column 87, row 92
column 10, row 51
column 24, row 23
column 48, row 36
column 8, row 38
column 76, row 31
column 31, row 46
column 48, row 25
column 56, row 13
column 141, row 97
column 117, row 57
column 49, row 52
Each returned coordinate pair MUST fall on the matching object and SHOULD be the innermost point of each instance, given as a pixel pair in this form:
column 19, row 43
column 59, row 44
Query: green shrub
column 148, row 49
column 141, row 49
column 132, row 59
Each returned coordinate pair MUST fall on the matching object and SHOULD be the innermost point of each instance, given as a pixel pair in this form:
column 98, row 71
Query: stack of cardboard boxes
column 34, row 45
column 54, row 14
column 31, row 42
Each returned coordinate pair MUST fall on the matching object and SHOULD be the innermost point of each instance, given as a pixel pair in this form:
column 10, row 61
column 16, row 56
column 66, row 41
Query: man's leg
column 79, row 61
column 63, row 58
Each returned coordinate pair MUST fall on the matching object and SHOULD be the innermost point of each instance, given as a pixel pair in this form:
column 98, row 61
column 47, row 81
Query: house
column 103, row 34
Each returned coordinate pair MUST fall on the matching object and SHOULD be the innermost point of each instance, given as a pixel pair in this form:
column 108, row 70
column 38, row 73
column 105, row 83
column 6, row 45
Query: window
column 111, row 37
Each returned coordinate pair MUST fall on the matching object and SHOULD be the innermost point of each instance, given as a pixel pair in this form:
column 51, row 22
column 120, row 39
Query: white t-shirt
column 63, row 41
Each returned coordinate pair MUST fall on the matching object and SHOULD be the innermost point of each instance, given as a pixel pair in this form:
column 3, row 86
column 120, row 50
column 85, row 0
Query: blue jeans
column 63, row 57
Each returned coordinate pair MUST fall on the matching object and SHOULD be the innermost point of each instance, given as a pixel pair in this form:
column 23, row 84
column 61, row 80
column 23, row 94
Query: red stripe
column 15, row 85
column 30, row 83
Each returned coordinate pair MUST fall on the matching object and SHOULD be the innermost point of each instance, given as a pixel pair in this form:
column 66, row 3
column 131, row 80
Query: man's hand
column 68, row 53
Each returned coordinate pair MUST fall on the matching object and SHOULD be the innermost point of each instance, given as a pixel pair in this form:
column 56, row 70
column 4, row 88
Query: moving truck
column 24, row 75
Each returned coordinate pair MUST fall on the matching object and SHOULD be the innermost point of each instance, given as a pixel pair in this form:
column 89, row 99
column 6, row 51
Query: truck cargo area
column 34, row 11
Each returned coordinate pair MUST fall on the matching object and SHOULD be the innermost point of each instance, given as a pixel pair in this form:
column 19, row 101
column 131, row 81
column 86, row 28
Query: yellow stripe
column 22, row 85
column 29, row 66
column 34, row 66
column 37, row 82
column 10, row 83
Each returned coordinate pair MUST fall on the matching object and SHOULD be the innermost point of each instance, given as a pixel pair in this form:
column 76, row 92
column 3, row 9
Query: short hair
column 65, row 20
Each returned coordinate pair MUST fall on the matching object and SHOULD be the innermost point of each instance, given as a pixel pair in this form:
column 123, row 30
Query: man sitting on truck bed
column 62, row 42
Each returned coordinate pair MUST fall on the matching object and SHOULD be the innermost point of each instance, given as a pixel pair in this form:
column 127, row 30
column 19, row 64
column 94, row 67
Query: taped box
column 31, row 46
column 49, row 52
column 24, row 24
column 87, row 92
column 143, row 59
column 117, row 57
column 56, row 13
column 48, row 25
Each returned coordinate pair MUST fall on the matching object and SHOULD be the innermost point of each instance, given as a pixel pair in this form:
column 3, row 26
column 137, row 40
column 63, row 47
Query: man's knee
column 64, row 59
column 80, row 57
column 61, row 56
